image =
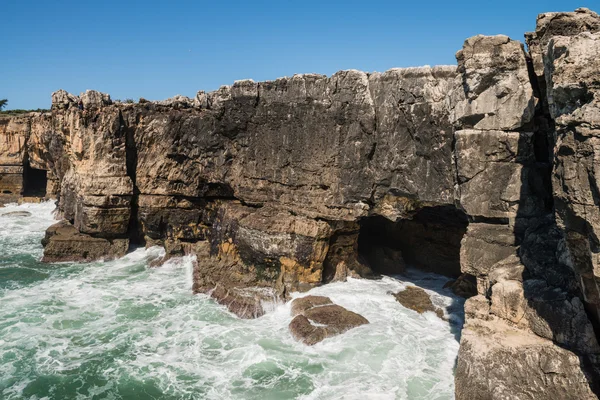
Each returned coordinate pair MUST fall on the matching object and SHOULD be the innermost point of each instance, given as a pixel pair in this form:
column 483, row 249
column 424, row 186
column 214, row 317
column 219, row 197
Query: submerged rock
column 317, row 318
column 16, row 214
column 417, row 299
column 463, row 286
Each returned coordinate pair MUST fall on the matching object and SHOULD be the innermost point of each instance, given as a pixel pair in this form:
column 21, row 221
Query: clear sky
column 157, row 49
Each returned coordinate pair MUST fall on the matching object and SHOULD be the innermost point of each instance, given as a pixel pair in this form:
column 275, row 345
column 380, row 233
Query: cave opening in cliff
column 429, row 241
column 34, row 181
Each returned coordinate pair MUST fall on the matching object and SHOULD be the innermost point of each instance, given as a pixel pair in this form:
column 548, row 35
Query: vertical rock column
column 95, row 192
column 14, row 133
column 571, row 69
column 493, row 150
column 564, row 49
column 526, row 330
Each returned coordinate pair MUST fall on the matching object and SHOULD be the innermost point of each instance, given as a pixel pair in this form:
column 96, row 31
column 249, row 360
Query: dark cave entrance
column 34, row 181
column 430, row 241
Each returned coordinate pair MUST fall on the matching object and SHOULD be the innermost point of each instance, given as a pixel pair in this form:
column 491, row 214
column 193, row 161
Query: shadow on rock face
column 429, row 240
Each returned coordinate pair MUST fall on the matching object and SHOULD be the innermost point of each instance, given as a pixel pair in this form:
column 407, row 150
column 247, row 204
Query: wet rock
column 464, row 286
column 303, row 304
column 243, row 302
column 227, row 279
column 317, row 318
column 16, row 214
column 27, row 199
column 418, row 300
column 63, row 242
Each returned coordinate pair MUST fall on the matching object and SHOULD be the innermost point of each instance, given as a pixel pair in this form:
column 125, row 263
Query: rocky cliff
column 485, row 171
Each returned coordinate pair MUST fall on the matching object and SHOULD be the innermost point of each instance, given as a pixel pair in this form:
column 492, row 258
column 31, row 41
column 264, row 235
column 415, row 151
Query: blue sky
column 157, row 49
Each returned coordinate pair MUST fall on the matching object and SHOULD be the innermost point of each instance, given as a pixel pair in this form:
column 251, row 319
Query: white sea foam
column 112, row 326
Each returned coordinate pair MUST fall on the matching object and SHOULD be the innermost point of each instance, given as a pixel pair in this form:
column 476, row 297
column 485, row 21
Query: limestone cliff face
column 529, row 332
column 486, row 170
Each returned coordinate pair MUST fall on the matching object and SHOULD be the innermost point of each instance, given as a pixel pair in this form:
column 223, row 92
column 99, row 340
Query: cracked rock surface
column 485, row 170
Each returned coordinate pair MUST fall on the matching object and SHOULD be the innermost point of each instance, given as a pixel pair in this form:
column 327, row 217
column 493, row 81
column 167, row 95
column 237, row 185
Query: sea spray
column 123, row 330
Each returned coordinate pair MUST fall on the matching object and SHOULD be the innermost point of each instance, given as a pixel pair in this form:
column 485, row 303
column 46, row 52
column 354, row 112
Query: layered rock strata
column 25, row 162
column 485, row 170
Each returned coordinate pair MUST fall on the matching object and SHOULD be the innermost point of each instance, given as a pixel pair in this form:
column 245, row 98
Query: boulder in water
column 17, row 214
column 317, row 318
column 418, row 300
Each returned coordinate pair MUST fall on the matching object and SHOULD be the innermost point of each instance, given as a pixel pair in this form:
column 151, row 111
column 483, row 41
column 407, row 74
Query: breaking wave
column 124, row 330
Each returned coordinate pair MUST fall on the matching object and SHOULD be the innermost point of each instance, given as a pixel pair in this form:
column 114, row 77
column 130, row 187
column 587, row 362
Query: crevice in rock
column 488, row 220
column 540, row 252
column 34, row 180
column 134, row 231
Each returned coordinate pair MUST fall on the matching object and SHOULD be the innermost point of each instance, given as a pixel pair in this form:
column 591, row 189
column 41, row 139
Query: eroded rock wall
column 537, row 304
column 28, row 143
column 485, row 169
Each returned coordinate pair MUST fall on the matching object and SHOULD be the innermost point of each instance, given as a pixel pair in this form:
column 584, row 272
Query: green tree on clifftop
column 3, row 103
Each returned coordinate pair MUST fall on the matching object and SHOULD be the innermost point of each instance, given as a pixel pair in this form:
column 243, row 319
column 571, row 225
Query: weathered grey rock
column 177, row 102
column 508, row 269
column 482, row 247
column 572, row 66
column 284, row 185
column 553, row 24
column 505, row 158
column 94, row 99
column 61, row 99
column 317, row 318
column 555, row 315
column 23, row 146
column 95, row 188
column 496, row 361
column 493, row 91
column 508, row 302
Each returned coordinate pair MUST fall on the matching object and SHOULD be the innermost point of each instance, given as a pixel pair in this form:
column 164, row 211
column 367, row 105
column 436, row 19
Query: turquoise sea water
column 123, row 330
